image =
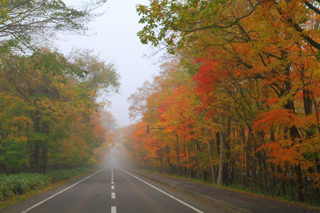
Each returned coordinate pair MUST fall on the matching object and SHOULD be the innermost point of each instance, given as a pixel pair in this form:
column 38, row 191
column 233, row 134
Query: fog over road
column 112, row 190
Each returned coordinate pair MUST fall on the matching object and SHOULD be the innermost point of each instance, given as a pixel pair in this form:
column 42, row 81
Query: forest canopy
column 240, row 102
column 50, row 116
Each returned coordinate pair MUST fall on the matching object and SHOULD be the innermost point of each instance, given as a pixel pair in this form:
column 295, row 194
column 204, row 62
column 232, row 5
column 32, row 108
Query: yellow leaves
column 213, row 125
column 311, row 145
column 17, row 139
column 21, row 120
column 92, row 93
column 314, row 177
column 39, row 103
column 216, row 160
column 4, row 11
column 92, row 160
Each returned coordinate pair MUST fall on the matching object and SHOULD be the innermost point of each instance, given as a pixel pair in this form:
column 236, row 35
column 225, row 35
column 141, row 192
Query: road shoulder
column 228, row 200
column 37, row 196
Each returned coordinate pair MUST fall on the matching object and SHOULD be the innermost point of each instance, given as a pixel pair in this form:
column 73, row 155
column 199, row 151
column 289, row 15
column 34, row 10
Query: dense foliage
column 19, row 184
column 240, row 104
column 49, row 114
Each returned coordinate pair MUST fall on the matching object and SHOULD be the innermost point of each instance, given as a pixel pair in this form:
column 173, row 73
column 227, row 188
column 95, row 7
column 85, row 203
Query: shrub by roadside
column 18, row 184
column 62, row 174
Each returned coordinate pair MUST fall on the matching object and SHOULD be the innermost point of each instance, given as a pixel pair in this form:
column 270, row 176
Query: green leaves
column 45, row 99
column 13, row 185
column 19, row 19
column 43, row 108
column 13, row 152
column 95, row 73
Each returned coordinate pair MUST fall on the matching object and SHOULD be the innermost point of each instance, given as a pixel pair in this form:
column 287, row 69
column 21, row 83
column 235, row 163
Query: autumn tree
column 48, row 105
column 256, row 68
column 22, row 19
column 49, row 110
column 138, row 101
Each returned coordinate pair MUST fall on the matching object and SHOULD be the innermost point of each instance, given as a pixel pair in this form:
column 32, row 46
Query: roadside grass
column 16, row 188
column 241, row 189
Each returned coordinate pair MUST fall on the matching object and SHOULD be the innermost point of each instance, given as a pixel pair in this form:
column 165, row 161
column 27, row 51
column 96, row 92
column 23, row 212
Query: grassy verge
column 15, row 188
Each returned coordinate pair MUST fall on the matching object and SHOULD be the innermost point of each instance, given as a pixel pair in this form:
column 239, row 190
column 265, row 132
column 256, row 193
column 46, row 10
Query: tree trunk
column 226, row 164
column 44, row 149
column 177, row 154
column 294, row 133
column 210, row 147
column 222, row 158
column 167, row 151
column 35, row 158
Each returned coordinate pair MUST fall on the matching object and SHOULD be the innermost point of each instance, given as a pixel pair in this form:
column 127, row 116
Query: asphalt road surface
column 112, row 190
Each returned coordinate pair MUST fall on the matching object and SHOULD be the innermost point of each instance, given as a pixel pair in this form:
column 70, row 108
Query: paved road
column 112, row 190
column 228, row 200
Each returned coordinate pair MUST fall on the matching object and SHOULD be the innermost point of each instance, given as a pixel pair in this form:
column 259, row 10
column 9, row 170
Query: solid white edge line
column 180, row 201
column 113, row 209
column 45, row 200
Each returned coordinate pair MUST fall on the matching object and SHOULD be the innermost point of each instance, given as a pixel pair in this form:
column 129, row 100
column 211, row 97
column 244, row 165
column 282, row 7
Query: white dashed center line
column 113, row 195
column 112, row 172
column 113, row 209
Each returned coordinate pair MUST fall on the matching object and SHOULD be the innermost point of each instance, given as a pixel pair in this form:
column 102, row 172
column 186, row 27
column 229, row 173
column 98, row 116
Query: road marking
column 112, row 172
column 38, row 204
column 113, row 195
column 180, row 201
column 112, row 187
column 113, row 209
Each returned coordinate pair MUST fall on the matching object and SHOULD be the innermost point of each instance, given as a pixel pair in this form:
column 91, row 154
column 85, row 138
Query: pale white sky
column 116, row 41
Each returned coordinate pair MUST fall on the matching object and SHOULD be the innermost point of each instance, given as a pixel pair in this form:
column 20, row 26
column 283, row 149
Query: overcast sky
column 116, row 41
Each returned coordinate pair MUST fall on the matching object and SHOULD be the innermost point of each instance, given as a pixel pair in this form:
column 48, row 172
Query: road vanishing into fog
column 112, row 190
